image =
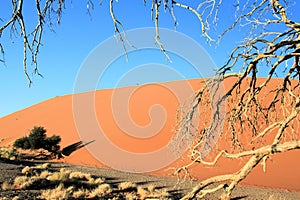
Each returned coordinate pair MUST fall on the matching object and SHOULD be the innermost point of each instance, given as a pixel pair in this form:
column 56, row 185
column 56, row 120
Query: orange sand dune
column 130, row 122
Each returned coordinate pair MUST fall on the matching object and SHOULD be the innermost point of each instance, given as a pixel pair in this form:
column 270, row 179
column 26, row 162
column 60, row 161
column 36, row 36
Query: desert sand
column 109, row 110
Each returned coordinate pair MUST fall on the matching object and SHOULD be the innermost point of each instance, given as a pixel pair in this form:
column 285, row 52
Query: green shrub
column 37, row 140
column 37, row 137
column 22, row 143
column 51, row 143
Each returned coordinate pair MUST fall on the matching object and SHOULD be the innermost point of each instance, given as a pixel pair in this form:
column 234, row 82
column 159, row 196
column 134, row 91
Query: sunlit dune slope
column 135, row 120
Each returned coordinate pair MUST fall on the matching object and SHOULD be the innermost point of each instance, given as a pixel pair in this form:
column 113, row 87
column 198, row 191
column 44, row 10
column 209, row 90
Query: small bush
column 37, row 140
column 22, row 143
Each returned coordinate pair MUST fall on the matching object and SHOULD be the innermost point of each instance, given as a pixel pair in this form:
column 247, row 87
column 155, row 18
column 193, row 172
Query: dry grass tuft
column 152, row 193
column 80, row 176
column 9, row 153
column 59, row 193
column 6, row 186
column 127, row 186
column 101, row 190
column 61, row 176
column 81, row 193
column 96, row 181
column 142, row 192
column 26, row 170
column 44, row 174
column 22, row 182
column 131, row 196
column 44, row 166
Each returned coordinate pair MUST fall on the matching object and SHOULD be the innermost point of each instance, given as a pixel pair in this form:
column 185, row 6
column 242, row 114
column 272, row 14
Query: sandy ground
column 12, row 169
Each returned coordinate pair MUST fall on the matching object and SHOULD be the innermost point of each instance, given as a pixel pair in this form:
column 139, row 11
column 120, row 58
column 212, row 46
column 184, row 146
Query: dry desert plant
column 80, row 176
column 127, row 186
column 81, row 193
column 22, row 182
column 26, row 170
column 96, row 181
column 150, row 192
column 58, row 193
column 9, row 153
column 6, row 186
column 61, row 176
column 101, row 190
column 43, row 166
column 44, row 174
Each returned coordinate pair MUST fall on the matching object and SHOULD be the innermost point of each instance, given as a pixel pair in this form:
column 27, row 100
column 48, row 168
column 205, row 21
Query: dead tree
column 266, row 115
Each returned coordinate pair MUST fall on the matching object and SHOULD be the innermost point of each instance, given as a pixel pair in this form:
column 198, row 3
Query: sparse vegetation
column 9, row 153
column 66, row 184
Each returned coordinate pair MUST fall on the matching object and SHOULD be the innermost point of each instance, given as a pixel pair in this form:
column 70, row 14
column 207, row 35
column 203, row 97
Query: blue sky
column 64, row 50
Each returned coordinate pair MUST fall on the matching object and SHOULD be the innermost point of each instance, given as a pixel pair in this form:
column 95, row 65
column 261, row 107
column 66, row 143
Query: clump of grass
column 25, row 182
column 44, row 166
column 101, row 190
column 58, row 193
column 26, row 170
column 61, row 176
column 9, row 153
column 35, row 170
column 142, row 192
column 127, row 186
column 22, row 182
column 6, row 186
column 80, row 176
column 44, row 174
column 96, row 181
column 152, row 192
column 81, row 193
column 131, row 196
column 6, row 198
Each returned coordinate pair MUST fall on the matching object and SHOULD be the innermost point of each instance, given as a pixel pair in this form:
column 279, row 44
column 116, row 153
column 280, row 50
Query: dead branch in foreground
column 256, row 157
column 261, row 117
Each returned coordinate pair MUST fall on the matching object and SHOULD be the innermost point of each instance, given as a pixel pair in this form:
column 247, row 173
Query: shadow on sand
column 68, row 150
